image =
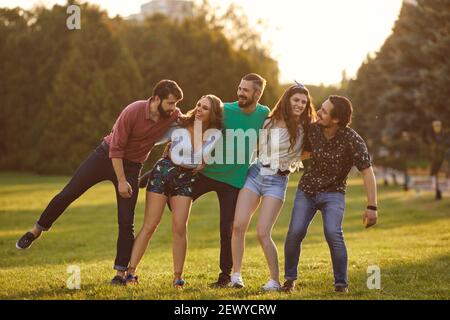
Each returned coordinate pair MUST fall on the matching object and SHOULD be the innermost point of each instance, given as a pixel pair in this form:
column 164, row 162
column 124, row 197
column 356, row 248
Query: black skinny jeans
column 96, row 168
column 227, row 195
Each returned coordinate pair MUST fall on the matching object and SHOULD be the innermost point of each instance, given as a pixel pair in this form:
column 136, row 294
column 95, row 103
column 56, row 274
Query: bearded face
column 167, row 106
column 247, row 94
column 163, row 113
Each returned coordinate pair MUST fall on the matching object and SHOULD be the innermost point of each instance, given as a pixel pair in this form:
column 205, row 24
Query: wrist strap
column 374, row 208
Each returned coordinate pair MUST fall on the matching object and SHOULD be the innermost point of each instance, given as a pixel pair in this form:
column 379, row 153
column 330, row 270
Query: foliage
column 404, row 87
column 63, row 89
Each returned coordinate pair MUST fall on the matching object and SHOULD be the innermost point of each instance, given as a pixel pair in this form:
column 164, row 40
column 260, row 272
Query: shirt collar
column 339, row 133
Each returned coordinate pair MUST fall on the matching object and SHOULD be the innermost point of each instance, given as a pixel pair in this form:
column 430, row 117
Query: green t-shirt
column 234, row 172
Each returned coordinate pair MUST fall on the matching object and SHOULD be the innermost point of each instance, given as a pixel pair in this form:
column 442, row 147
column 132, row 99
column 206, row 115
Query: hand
column 125, row 189
column 370, row 218
column 199, row 168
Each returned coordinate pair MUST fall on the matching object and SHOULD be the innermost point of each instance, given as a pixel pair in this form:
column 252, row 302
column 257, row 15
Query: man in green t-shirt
column 242, row 121
column 227, row 173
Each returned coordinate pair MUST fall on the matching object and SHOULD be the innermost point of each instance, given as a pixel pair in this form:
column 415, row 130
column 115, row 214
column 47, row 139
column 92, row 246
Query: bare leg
column 154, row 208
column 270, row 210
column 181, row 207
column 246, row 205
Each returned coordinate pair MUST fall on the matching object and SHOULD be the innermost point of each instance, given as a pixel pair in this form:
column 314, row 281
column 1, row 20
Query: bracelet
column 374, row 208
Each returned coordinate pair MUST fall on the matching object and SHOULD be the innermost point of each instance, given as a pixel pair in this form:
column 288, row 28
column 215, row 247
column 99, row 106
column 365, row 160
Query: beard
column 324, row 125
column 246, row 103
column 162, row 113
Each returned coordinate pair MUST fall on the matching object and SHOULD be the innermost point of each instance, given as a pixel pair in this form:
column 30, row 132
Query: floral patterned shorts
column 170, row 180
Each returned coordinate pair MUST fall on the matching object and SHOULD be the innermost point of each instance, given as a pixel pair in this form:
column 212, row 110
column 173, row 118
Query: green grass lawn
column 411, row 245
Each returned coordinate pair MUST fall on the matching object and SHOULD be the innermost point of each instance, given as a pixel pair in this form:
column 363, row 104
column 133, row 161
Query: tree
column 405, row 85
column 63, row 89
column 96, row 80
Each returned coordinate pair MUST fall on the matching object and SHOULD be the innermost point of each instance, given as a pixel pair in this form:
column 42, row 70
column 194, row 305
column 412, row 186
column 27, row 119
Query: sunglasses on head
column 299, row 85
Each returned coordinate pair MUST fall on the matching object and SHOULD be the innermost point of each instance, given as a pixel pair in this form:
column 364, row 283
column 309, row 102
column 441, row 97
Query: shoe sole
column 237, row 286
column 271, row 289
column 20, row 248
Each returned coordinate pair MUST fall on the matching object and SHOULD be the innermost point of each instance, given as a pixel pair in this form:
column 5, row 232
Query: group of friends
column 188, row 169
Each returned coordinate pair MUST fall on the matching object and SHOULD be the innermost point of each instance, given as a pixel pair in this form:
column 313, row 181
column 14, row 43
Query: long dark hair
column 215, row 116
column 283, row 111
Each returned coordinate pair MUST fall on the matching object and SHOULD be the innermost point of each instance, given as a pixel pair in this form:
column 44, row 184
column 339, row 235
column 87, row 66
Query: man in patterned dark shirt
column 335, row 148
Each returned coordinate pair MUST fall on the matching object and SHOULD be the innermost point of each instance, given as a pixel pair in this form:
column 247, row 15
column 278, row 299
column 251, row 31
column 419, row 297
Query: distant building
column 174, row 9
column 411, row 2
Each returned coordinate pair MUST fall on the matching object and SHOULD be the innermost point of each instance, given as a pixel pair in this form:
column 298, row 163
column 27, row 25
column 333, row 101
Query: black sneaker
column 25, row 241
column 343, row 289
column 118, row 281
column 288, row 286
column 223, row 281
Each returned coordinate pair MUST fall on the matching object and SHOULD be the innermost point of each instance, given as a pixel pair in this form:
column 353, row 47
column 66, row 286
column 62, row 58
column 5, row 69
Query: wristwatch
column 374, row 208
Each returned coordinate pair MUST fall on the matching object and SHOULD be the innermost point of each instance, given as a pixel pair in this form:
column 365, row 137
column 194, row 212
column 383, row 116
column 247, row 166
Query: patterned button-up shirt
column 331, row 160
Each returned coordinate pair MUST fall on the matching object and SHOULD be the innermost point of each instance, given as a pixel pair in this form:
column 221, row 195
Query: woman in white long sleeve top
column 267, row 179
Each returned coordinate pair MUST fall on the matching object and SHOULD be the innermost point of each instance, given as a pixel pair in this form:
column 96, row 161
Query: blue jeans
column 332, row 205
column 96, row 168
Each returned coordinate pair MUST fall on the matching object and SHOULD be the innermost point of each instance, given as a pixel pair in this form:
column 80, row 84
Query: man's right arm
column 124, row 188
column 119, row 141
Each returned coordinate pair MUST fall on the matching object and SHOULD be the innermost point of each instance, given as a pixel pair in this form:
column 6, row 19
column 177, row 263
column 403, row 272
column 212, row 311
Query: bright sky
column 312, row 40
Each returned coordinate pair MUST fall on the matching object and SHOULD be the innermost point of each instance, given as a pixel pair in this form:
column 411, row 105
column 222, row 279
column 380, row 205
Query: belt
column 279, row 172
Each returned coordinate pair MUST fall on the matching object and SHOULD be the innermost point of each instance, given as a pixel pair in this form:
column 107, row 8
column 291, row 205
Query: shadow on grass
column 54, row 292
column 89, row 232
column 427, row 279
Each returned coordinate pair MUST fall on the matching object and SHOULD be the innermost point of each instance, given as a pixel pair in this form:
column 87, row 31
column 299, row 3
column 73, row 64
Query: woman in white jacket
column 268, row 177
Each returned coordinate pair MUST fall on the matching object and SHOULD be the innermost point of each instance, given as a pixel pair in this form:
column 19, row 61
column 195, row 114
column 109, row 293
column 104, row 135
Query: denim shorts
column 170, row 180
column 266, row 185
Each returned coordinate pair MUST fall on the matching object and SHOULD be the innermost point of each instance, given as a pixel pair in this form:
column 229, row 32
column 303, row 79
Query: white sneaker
column 236, row 281
column 272, row 285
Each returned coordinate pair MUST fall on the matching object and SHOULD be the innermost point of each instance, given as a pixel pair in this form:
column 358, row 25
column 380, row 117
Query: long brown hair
column 215, row 116
column 283, row 111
